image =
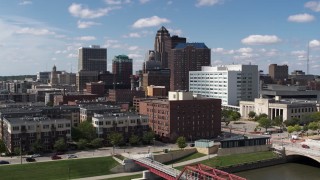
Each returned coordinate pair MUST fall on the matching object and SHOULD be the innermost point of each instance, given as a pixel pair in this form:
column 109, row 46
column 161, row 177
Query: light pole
column 20, row 150
column 208, row 150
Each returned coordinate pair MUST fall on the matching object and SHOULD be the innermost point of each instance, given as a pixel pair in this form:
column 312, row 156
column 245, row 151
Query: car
column 55, row 157
column 4, row 162
column 71, row 156
column 305, row 146
column 191, row 145
column 30, row 159
column 35, row 155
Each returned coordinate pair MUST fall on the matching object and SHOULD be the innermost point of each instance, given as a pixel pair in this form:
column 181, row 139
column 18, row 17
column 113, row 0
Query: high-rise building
column 84, row 77
column 92, row 58
column 278, row 72
column 163, row 44
column 156, row 77
column 122, row 69
column 230, row 83
column 186, row 57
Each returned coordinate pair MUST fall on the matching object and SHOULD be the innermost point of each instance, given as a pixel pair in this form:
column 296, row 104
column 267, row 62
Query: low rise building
column 125, row 123
column 287, row 109
column 25, row 131
column 88, row 111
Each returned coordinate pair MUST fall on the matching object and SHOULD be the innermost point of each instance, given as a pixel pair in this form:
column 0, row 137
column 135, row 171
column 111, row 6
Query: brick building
column 183, row 115
column 95, row 88
column 124, row 95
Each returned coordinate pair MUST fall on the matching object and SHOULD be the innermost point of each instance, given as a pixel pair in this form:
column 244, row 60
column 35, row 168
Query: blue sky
column 36, row 34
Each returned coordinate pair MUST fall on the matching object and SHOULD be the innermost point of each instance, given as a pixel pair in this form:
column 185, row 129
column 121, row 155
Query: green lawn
column 59, row 169
column 222, row 161
column 186, row 158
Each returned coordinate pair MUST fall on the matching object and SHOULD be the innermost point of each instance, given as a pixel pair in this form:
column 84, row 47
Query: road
column 105, row 151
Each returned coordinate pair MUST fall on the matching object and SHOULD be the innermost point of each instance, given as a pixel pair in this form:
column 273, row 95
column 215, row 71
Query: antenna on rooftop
column 308, row 57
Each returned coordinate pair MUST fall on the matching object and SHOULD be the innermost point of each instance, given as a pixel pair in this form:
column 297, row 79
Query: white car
column 71, row 156
column 35, row 155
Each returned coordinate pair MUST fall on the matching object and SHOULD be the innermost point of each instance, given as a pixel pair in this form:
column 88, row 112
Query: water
column 288, row 171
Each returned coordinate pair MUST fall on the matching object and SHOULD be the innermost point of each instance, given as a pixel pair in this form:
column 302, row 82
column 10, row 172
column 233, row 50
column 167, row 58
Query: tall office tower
column 122, row 69
column 163, row 44
column 278, row 72
column 92, row 58
column 230, row 83
column 84, row 77
column 54, row 76
column 187, row 57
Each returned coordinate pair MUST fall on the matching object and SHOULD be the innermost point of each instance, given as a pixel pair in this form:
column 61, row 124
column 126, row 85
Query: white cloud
column 217, row 50
column 144, row 1
column 134, row 56
column 200, row 3
column 117, row 2
column 313, row 5
column 34, row 31
column 86, row 38
column 314, row 43
column 245, row 50
column 111, row 43
column 301, row 18
column 72, row 55
column 25, row 2
column 78, row 10
column 133, row 48
column 150, row 22
column 298, row 53
column 86, row 24
column 175, row 31
column 260, row 39
column 132, row 35
column 169, row 2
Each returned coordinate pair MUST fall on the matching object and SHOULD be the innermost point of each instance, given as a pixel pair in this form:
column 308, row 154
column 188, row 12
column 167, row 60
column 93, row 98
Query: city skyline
column 35, row 35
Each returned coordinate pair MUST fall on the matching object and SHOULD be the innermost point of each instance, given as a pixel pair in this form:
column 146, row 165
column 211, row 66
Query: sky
column 35, row 35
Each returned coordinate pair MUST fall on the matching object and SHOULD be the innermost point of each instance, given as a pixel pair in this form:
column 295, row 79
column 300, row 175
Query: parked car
column 191, row 145
column 4, row 162
column 55, row 157
column 305, row 146
column 35, row 155
column 71, row 156
column 30, row 159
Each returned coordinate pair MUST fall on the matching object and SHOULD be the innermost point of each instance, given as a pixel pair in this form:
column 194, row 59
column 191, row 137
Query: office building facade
column 122, row 69
column 92, row 58
column 230, row 83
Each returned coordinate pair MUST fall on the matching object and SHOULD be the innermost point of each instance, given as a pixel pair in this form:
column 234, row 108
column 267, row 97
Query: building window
column 15, row 128
column 108, row 122
column 46, row 134
column 68, row 125
column 60, row 132
column 45, row 126
column 31, row 134
column 60, row 125
column 15, row 135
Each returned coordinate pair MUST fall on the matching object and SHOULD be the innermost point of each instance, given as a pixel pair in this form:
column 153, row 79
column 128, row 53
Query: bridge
column 194, row 172
column 297, row 149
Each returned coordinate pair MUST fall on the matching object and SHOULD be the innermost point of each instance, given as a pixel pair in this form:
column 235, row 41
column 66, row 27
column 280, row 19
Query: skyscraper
column 186, row 57
column 122, row 69
column 92, row 58
column 163, row 44
column 278, row 72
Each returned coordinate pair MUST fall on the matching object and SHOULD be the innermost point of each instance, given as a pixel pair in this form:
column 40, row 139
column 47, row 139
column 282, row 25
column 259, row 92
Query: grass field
column 222, row 161
column 127, row 177
column 186, row 158
column 60, row 169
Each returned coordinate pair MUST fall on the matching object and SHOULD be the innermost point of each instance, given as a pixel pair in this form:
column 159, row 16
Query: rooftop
column 195, row 45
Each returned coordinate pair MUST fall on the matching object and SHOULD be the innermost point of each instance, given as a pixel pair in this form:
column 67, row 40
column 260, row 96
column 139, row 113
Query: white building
column 287, row 109
column 230, row 83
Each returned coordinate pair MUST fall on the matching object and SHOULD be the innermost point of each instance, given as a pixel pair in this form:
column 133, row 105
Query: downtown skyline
column 35, row 35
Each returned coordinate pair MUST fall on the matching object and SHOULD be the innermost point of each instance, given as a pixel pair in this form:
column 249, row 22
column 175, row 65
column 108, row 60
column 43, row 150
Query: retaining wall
column 242, row 150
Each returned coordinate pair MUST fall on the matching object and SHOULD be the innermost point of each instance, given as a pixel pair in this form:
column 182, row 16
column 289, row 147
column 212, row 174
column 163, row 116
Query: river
column 288, row 171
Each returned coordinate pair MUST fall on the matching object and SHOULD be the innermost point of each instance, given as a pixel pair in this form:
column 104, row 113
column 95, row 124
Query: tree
column 315, row 116
column 16, row 151
column 181, row 142
column 36, row 147
column 290, row 129
column 313, row 126
column 263, row 115
column 264, row 122
column 3, row 148
column 97, row 142
column 60, row 145
column 292, row 122
column 82, row 143
column 229, row 115
column 115, row 138
column 297, row 128
column 148, row 137
column 235, row 115
column 277, row 121
column 50, row 103
column 251, row 114
column 134, row 139
column 87, row 131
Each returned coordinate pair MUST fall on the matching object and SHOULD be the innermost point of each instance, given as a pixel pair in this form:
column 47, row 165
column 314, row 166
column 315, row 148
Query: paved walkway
column 140, row 172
